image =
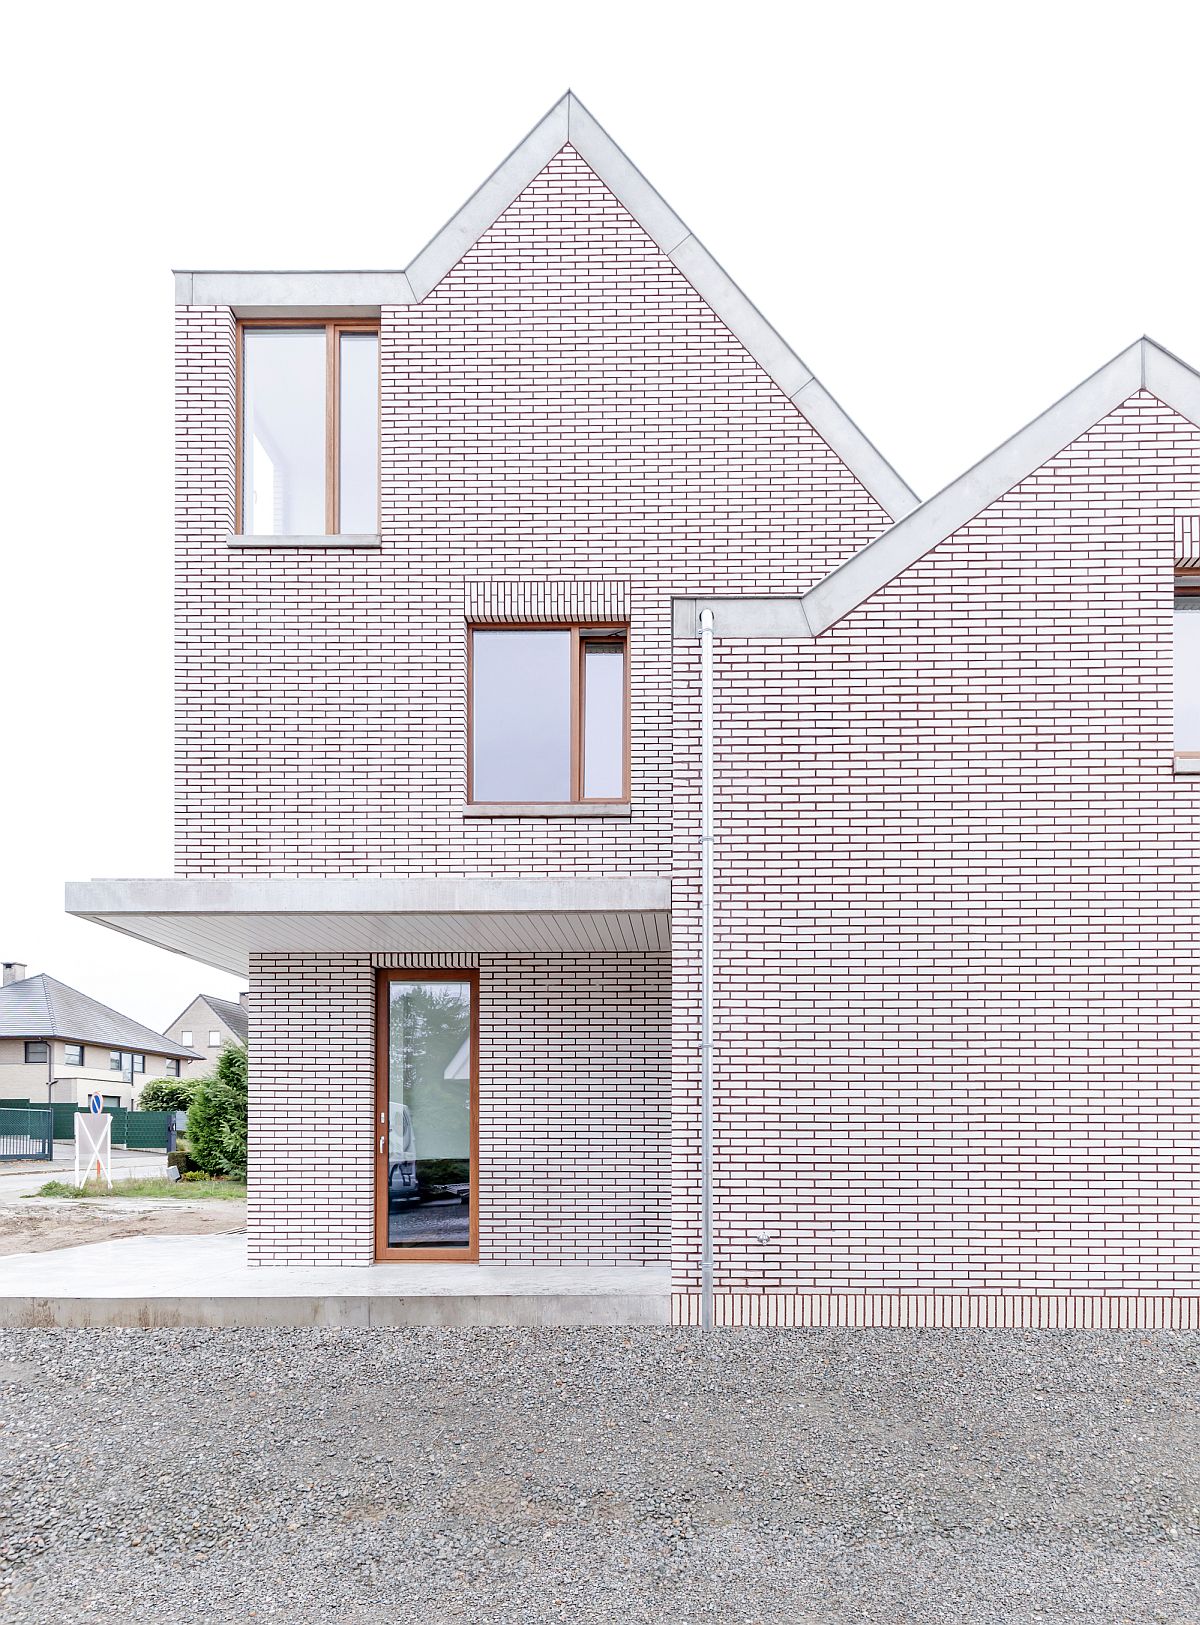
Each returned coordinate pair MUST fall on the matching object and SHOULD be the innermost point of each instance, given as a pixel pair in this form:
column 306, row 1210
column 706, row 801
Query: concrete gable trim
column 1144, row 365
column 567, row 122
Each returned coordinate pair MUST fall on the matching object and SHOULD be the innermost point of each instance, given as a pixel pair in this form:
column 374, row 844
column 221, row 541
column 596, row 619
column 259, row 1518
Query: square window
column 73, row 1054
column 36, row 1051
column 214, row 1038
column 549, row 714
column 308, row 401
column 114, row 1060
column 171, row 1069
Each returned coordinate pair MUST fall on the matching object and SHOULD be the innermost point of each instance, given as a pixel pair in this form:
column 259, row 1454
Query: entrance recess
column 426, row 1111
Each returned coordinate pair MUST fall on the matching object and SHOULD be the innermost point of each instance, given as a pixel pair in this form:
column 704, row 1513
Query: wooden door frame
column 399, row 1255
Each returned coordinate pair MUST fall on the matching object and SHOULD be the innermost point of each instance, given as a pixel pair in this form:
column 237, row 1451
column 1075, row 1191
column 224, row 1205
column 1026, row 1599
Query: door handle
column 381, row 1145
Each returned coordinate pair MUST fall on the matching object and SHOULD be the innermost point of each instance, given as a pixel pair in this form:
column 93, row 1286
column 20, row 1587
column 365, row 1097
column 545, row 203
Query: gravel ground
column 660, row 1476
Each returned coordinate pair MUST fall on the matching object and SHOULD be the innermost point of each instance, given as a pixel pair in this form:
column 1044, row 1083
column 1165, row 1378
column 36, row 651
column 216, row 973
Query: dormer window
column 308, row 426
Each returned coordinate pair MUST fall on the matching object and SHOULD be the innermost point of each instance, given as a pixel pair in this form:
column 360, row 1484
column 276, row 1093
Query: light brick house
column 440, row 791
column 206, row 1026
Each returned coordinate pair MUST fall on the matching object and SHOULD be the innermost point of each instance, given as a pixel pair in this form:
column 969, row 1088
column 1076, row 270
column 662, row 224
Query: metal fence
column 137, row 1131
column 26, row 1134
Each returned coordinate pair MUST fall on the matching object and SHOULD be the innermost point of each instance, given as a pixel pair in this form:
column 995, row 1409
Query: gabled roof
column 40, row 1007
column 567, row 122
column 1144, row 365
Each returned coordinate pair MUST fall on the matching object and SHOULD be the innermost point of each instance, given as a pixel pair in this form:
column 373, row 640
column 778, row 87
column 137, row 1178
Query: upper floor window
column 1187, row 663
column 73, row 1054
column 185, row 1038
column 549, row 714
column 214, row 1038
column 37, row 1051
column 171, row 1069
column 308, row 418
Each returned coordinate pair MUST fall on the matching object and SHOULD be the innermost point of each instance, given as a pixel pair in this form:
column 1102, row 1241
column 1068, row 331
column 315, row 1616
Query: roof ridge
column 47, row 983
column 569, row 123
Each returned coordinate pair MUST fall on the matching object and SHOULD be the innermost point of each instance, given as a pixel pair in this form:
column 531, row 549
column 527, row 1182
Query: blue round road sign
column 94, row 1103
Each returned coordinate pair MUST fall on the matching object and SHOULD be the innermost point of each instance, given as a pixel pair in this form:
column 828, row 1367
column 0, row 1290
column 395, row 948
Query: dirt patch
column 41, row 1226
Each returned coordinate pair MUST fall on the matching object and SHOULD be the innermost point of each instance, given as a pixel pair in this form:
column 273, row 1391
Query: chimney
column 14, row 971
column 244, row 999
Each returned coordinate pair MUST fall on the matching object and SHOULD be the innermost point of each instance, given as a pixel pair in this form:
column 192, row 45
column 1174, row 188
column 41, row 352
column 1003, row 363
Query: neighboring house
column 454, row 833
column 207, row 1025
column 56, row 1044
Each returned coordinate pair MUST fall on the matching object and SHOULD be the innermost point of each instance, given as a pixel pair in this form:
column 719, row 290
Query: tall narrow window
column 603, row 717
column 358, row 433
column 283, row 432
column 548, row 714
column 1187, row 664
column 426, row 1106
column 309, row 416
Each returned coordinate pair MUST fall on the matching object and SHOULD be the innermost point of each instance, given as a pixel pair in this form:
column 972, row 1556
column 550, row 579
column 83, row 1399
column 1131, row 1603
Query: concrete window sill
column 302, row 541
column 546, row 809
column 1189, row 763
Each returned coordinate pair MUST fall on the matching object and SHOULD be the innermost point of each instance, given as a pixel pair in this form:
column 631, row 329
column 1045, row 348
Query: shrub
column 167, row 1095
column 182, row 1160
column 216, row 1131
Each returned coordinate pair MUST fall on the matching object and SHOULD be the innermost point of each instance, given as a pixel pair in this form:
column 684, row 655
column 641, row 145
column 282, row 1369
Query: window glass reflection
column 521, row 716
column 283, row 432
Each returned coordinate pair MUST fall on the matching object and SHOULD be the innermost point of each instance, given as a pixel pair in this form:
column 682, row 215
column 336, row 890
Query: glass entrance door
column 425, row 1117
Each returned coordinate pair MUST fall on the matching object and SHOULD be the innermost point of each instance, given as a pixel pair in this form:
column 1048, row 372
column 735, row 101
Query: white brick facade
column 956, row 927
column 957, row 923
column 574, row 1105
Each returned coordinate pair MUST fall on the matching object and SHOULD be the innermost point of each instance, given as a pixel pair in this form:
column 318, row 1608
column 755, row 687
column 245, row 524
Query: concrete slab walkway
column 205, row 1281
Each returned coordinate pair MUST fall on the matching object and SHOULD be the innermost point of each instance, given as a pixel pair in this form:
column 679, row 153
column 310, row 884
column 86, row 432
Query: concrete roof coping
column 368, row 894
column 346, row 293
column 1143, row 365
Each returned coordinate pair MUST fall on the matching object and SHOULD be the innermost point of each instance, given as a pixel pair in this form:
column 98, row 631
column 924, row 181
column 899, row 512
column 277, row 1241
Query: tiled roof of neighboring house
column 40, row 1007
column 231, row 1014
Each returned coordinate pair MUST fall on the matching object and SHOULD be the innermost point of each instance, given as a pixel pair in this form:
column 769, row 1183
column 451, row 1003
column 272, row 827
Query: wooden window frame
column 400, row 1255
column 580, row 632
column 333, row 328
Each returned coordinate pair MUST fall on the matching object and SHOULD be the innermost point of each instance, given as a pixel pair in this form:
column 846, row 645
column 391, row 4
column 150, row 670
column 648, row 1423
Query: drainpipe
column 706, row 957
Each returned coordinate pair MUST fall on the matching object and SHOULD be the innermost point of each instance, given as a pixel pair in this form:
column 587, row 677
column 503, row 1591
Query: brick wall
column 956, row 929
column 561, row 407
column 574, row 1107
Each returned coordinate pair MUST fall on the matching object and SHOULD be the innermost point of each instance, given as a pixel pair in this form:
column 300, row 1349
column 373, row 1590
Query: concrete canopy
column 223, row 922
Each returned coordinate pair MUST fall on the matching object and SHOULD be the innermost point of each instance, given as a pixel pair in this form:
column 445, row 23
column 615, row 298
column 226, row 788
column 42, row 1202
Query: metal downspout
column 706, row 968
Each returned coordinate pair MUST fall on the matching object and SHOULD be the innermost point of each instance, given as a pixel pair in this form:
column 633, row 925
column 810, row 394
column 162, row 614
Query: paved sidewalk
column 18, row 1180
column 205, row 1281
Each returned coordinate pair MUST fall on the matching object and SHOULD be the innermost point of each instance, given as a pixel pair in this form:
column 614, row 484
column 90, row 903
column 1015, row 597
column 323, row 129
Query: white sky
column 952, row 212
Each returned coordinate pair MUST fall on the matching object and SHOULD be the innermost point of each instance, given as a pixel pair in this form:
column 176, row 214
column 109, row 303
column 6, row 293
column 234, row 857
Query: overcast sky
column 953, row 213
